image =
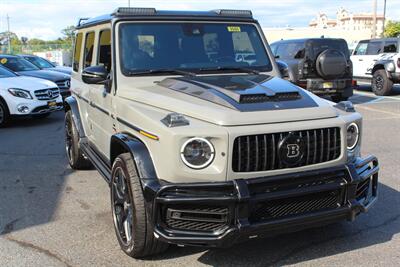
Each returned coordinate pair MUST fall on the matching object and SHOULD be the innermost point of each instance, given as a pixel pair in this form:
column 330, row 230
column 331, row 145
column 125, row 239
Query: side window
column 104, row 54
column 361, row 49
column 77, row 52
column 280, row 51
column 88, row 53
column 390, row 47
column 374, row 48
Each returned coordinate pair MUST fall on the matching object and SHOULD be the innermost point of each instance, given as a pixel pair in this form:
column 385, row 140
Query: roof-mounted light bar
column 234, row 13
column 134, row 11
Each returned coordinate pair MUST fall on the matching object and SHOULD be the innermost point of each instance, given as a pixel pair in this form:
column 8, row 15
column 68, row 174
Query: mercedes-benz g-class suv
column 377, row 61
column 320, row 65
column 199, row 147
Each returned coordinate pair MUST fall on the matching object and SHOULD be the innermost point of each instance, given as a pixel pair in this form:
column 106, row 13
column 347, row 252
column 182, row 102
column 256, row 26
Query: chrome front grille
column 64, row 84
column 261, row 152
column 47, row 94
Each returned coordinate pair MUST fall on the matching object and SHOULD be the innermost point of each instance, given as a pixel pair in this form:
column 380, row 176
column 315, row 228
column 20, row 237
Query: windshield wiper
column 161, row 71
column 246, row 70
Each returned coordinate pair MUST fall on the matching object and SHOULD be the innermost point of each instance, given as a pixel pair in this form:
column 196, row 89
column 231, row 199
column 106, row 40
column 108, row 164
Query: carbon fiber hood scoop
column 242, row 92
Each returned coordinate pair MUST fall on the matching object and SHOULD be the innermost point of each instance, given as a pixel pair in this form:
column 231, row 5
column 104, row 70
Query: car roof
column 382, row 39
column 8, row 56
column 306, row 39
column 151, row 13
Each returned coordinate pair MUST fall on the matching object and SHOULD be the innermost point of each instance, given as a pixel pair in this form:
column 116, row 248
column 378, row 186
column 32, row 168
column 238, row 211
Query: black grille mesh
column 259, row 98
column 279, row 209
column 260, row 152
column 198, row 218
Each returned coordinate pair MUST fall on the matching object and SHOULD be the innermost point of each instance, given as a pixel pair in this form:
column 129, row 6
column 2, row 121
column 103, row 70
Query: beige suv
column 202, row 148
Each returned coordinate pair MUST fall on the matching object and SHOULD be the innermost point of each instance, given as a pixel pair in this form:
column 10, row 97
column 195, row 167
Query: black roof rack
column 144, row 12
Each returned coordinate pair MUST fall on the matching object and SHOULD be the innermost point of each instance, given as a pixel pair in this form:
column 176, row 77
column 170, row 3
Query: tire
column 4, row 114
column 339, row 98
column 76, row 159
column 132, row 224
column 381, row 84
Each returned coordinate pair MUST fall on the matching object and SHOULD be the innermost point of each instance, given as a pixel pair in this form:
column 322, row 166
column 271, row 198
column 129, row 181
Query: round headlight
column 352, row 136
column 197, row 153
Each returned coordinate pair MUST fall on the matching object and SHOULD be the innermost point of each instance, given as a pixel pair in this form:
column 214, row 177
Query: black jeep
column 320, row 65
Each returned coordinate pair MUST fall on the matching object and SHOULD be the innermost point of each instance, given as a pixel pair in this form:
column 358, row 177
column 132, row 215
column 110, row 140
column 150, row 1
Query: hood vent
column 259, row 98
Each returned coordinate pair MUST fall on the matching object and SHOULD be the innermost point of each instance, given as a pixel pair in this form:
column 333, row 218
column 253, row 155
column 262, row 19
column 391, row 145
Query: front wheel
column 131, row 221
column 4, row 114
column 381, row 84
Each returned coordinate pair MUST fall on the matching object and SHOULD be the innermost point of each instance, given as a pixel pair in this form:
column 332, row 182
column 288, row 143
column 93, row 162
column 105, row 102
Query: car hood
column 45, row 74
column 231, row 100
column 62, row 69
column 27, row 83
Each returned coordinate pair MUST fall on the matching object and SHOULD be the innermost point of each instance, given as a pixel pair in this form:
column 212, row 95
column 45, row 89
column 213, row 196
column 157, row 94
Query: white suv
column 22, row 96
column 377, row 61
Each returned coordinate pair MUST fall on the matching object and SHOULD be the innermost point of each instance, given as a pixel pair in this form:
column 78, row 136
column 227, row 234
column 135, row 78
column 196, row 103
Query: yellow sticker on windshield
column 234, row 29
column 3, row 60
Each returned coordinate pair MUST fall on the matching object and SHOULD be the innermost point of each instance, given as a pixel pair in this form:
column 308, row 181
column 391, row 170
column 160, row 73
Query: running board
column 96, row 160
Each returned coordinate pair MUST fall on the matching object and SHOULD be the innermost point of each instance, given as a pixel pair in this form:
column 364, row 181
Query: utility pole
column 129, row 3
column 384, row 18
column 374, row 19
column 8, row 34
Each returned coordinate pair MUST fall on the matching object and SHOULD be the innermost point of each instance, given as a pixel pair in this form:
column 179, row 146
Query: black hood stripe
column 227, row 90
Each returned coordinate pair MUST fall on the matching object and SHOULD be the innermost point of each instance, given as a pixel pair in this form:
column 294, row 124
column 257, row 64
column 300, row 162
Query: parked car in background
column 377, row 61
column 26, row 96
column 320, row 65
column 43, row 63
column 200, row 149
column 26, row 68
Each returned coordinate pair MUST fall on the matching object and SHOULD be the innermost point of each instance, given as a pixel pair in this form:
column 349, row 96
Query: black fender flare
column 143, row 161
column 70, row 103
column 381, row 64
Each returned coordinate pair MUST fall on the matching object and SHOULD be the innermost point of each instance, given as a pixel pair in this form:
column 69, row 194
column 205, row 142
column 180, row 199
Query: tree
column 69, row 33
column 24, row 40
column 392, row 29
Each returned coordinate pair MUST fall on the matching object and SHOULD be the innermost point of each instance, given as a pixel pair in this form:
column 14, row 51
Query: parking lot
column 53, row 216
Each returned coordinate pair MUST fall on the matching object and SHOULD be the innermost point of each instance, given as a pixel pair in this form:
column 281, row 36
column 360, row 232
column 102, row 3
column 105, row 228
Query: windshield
column 39, row 62
column 191, row 46
column 17, row 64
column 4, row 73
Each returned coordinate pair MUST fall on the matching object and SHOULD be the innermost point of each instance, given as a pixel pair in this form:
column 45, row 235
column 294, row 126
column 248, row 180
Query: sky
column 46, row 18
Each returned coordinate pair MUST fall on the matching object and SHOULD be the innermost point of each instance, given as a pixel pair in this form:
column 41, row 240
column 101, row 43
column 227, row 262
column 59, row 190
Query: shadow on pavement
column 32, row 171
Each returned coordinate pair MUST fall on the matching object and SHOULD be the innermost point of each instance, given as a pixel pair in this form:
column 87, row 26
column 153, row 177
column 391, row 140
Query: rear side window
column 104, row 55
column 374, row 48
column 89, row 44
column 290, row 50
column 77, row 51
column 390, row 47
column 361, row 49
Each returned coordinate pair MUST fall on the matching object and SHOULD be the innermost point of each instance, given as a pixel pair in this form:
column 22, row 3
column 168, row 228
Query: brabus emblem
column 293, row 150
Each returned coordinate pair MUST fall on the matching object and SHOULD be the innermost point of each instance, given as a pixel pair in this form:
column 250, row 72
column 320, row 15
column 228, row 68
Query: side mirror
column 283, row 69
column 95, row 75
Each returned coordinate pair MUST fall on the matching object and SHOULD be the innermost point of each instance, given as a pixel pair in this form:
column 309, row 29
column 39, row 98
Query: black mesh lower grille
column 200, row 218
column 282, row 208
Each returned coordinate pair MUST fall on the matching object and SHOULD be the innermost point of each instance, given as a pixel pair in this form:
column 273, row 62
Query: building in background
column 349, row 22
column 346, row 25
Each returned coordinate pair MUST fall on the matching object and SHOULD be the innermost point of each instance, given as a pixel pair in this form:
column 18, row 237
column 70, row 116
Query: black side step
column 102, row 167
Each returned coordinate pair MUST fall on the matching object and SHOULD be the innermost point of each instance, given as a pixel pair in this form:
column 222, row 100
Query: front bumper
column 329, row 87
column 220, row 214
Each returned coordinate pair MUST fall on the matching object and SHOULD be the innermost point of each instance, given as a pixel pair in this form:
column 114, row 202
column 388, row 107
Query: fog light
column 23, row 109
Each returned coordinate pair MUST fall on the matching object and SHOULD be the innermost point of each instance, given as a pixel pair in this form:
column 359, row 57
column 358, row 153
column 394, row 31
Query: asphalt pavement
column 53, row 216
